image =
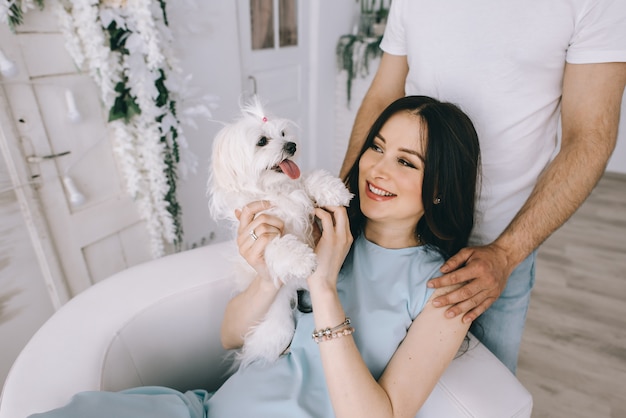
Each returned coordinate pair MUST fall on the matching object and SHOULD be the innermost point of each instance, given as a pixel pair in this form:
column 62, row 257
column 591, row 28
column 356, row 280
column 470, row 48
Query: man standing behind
column 514, row 67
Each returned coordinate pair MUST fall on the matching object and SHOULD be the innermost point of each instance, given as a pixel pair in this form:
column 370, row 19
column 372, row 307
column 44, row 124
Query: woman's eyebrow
column 413, row 152
column 407, row 150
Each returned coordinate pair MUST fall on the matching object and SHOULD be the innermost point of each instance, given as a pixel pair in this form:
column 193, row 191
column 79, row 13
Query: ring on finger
column 253, row 235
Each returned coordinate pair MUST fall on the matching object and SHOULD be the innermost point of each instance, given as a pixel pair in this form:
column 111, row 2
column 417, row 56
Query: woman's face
column 391, row 173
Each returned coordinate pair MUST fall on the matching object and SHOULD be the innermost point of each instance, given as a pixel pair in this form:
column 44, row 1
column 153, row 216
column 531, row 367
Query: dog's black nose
column 290, row 147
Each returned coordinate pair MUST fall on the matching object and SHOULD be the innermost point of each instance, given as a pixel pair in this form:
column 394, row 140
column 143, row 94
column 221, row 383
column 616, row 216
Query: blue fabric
column 147, row 401
column 500, row 328
column 381, row 290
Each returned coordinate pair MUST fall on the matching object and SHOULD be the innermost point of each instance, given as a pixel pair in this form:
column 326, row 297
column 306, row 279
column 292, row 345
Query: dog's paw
column 327, row 190
column 289, row 259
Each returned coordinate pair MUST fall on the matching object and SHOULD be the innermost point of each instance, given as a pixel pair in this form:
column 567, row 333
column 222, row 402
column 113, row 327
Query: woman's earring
column 437, row 200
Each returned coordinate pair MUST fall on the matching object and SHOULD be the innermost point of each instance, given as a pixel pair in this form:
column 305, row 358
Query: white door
column 274, row 58
column 92, row 225
column 25, row 302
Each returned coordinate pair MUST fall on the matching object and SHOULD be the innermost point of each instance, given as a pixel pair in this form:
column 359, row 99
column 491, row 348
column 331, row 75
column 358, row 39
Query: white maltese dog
column 253, row 160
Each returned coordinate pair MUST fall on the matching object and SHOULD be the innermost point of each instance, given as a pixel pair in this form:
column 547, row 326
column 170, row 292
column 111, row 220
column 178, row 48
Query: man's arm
column 387, row 86
column 592, row 95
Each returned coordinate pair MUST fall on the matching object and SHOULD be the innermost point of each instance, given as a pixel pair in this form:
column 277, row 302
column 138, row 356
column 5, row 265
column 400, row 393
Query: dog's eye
column 262, row 141
column 282, row 133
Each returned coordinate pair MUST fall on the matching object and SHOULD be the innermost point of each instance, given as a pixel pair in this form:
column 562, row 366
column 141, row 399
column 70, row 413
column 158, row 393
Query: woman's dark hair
column 451, row 169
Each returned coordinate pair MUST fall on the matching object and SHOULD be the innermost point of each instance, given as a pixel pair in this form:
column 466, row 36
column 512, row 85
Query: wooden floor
column 573, row 354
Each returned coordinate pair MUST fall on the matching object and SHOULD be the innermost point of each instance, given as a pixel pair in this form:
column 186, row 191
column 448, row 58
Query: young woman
column 372, row 346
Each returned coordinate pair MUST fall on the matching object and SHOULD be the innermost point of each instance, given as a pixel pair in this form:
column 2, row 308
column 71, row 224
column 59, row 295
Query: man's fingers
column 458, row 296
column 465, row 306
column 484, row 275
column 456, row 261
column 471, row 308
column 455, row 277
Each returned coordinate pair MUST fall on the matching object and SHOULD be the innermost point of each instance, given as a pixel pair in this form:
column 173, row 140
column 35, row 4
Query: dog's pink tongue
column 290, row 168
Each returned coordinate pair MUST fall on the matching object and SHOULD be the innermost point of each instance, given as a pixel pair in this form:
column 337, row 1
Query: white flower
column 107, row 16
column 148, row 58
column 27, row 5
column 114, row 3
column 5, row 10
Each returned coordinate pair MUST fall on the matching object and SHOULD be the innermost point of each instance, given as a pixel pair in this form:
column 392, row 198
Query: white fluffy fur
column 242, row 171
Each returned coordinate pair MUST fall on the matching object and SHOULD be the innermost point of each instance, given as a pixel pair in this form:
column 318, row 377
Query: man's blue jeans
column 500, row 328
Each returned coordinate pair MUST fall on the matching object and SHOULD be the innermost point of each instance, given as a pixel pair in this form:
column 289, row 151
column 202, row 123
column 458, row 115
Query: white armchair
column 158, row 324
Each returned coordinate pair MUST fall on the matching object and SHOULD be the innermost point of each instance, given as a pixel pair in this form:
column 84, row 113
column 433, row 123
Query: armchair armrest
column 77, row 348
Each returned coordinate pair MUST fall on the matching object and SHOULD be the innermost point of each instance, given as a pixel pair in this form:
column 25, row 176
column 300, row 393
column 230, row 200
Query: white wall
column 206, row 42
column 617, row 163
column 336, row 18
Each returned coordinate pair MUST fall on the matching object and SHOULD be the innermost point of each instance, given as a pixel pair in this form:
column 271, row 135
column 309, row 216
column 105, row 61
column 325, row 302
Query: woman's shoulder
column 424, row 268
column 431, row 259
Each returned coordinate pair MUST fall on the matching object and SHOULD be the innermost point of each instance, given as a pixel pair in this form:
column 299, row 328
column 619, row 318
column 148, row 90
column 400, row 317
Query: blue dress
column 381, row 290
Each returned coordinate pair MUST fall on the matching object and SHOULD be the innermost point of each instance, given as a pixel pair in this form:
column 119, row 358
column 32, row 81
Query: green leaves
column 356, row 64
column 16, row 16
column 125, row 106
column 117, row 38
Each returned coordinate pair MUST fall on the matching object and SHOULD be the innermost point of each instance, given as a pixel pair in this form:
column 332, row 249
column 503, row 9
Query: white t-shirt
column 502, row 62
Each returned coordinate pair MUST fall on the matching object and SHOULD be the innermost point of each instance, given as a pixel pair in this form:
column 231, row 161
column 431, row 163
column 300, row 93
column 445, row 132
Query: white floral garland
column 11, row 11
column 150, row 145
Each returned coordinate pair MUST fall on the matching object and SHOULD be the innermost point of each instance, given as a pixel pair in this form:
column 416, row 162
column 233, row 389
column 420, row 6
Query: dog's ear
column 227, row 159
column 254, row 108
column 225, row 168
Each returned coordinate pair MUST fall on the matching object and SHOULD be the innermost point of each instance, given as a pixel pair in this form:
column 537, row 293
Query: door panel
column 86, row 139
column 98, row 221
column 104, row 233
column 45, row 54
column 274, row 58
column 281, row 85
column 125, row 248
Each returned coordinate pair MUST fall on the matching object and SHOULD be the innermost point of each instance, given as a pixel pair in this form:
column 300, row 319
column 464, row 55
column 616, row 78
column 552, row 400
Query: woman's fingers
column 335, row 226
column 254, row 223
column 333, row 246
column 335, row 217
column 256, row 229
column 248, row 213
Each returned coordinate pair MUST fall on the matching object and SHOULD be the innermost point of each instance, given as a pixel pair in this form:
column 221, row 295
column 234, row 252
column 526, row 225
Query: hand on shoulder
column 473, row 279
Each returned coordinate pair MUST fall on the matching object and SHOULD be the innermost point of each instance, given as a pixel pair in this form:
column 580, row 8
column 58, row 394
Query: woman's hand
column 253, row 223
column 333, row 246
column 247, row 308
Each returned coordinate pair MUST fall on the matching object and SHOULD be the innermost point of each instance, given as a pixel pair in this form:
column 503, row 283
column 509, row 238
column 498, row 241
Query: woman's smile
column 378, row 194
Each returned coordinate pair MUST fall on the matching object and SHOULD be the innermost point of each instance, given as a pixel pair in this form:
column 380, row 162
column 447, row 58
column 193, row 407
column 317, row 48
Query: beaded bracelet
column 335, row 332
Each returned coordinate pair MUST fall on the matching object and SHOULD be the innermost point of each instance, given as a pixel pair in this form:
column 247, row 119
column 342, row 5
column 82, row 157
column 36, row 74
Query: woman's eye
column 376, row 148
column 262, row 141
column 406, row 163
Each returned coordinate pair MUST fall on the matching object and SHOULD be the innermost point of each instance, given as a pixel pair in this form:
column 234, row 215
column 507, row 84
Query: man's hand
column 484, row 270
